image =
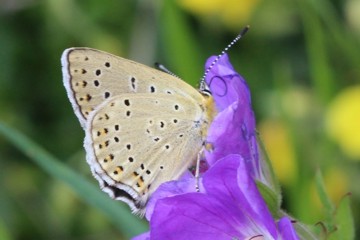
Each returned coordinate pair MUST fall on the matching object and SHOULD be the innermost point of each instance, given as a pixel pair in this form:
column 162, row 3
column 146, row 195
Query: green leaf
column 304, row 232
column 341, row 224
column 324, row 198
column 344, row 222
column 271, row 198
column 118, row 213
column 267, row 169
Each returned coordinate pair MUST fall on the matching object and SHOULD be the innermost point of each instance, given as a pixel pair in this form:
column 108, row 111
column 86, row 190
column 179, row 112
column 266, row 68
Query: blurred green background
column 301, row 60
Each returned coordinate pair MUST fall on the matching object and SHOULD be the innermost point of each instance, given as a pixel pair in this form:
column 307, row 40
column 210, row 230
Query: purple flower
column 233, row 129
column 228, row 206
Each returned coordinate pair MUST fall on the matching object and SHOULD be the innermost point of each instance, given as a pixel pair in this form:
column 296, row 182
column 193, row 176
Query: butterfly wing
column 135, row 142
column 92, row 76
column 143, row 126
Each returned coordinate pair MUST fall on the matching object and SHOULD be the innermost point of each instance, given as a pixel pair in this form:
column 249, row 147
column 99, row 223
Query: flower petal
column 226, row 85
column 286, row 229
column 229, row 206
column 191, row 216
column 233, row 132
column 233, row 129
column 230, row 182
column 185, row 184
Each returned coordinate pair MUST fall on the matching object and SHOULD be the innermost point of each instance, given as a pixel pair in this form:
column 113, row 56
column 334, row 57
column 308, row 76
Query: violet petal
column 233, row 132
column 230, row 207
column 286, row 229
column 226, row 85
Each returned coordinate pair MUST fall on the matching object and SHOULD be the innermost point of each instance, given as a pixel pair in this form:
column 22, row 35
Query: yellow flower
column 280, row 150
column 233, row 13
column 343, row 121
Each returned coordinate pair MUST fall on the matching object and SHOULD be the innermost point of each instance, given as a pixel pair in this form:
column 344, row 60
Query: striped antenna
column 164, row 69
column 203, row 85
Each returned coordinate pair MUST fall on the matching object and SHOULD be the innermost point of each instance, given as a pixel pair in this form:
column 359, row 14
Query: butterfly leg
column 197, row 170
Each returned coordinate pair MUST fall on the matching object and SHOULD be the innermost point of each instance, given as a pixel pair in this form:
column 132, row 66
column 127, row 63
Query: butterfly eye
column 206, row 92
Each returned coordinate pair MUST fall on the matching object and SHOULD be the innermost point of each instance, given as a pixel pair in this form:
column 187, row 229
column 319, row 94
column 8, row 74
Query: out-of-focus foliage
column 300, row 58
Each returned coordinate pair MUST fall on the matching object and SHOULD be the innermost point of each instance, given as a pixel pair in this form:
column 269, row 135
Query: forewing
column 91, row 77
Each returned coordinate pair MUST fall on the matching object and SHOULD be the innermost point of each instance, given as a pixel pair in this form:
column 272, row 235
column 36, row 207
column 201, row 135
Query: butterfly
column 143, row 127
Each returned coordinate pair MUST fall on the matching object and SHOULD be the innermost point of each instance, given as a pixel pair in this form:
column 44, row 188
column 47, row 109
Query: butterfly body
column 142, row 126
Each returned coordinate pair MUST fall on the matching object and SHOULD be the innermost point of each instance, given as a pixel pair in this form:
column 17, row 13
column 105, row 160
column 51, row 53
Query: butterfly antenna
column 164, row 69
column 203, row 85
